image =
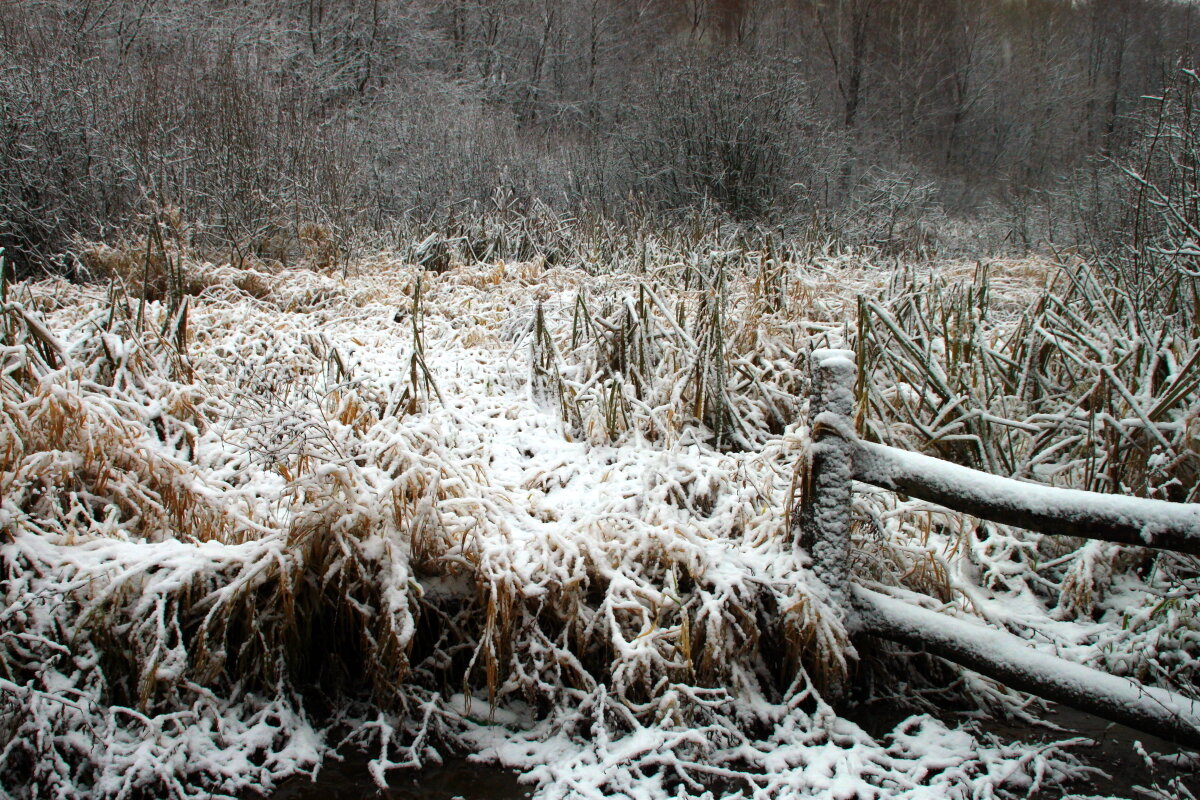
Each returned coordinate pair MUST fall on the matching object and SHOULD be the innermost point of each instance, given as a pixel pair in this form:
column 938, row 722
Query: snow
column 828, row 510
column 1157, row 523
column 1019, row 662
column 607, row 567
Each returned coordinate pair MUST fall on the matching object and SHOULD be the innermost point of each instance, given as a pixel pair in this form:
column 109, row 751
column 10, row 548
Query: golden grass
column 343, row 548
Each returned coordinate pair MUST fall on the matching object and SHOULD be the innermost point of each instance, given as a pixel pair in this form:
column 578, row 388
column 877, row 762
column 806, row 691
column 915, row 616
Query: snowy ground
column 480, row 509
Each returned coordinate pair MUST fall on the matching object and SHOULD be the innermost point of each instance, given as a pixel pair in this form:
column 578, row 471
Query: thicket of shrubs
column 909, row 126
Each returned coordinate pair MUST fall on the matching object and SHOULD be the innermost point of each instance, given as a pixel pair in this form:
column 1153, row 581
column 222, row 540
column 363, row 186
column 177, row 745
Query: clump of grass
column 399, row 522
column 546, row 380
column 636, row 362
column 150, row 267
column 74, row 462
column 322, row 250
column 160, row 586
column 1078, row 388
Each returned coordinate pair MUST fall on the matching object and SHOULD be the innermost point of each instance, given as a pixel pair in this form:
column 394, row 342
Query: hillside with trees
column 965, row 127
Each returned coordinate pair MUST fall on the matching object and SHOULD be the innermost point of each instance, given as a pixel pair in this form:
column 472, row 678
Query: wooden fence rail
column 839, row 457
column 1045, row 509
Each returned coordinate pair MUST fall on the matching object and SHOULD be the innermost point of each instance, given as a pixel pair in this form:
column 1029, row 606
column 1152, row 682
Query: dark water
column 1113, row 752
column 456, row 778
column 1113, row 749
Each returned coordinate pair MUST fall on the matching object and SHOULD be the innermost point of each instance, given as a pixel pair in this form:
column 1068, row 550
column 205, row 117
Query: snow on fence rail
column 839, row 457
column 1013, row 661
column 1045, row 509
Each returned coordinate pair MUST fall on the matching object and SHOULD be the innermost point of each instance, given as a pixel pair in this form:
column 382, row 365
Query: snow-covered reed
column 1074, row 386
column 537, row 510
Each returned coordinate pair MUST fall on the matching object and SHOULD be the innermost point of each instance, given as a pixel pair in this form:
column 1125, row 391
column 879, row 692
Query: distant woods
column 963, row 125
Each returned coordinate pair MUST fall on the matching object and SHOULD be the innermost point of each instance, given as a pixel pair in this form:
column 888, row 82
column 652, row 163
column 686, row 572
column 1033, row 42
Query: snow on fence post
column 825, row 514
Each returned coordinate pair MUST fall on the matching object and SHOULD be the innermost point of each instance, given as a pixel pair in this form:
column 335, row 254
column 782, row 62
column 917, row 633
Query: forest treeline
column 904, row 124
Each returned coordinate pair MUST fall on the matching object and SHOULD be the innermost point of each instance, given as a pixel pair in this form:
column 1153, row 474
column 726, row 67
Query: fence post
column 825, row 513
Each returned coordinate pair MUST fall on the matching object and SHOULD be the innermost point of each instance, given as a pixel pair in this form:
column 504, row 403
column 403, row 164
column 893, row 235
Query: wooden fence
column 839, row 457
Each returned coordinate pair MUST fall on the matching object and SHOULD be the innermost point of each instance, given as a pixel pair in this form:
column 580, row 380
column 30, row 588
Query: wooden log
column 1014, row 662
column 825, row 516
column 1036, row 507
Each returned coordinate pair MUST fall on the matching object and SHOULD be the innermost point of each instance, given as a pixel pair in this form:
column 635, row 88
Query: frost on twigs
column 602, row 748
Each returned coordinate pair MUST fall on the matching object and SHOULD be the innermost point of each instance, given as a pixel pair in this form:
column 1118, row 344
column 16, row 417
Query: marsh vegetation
column 340, row 416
